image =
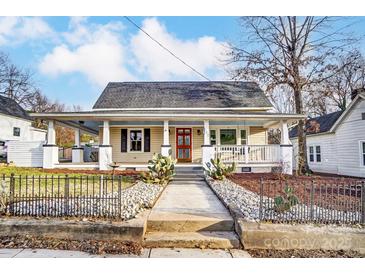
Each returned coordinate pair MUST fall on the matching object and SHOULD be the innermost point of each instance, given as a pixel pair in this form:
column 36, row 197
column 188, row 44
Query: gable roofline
column 347, row 111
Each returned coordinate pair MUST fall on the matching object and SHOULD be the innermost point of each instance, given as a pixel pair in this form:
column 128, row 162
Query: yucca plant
column 161, row 169
column 219, row 170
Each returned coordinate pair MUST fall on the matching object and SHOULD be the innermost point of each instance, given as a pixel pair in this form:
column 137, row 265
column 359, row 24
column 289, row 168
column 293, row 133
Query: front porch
column 130, row 144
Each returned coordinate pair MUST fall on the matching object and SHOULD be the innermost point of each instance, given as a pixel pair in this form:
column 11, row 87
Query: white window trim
column 315, row 154
column 129, row 140
column 361, row 162
column 238, row 133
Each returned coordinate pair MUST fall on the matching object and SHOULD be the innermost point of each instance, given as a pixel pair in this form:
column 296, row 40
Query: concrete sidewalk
column 147, row 253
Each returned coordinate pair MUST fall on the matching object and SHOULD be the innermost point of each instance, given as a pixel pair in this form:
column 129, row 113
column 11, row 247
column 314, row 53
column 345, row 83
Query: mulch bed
column 301, row 253
column 330, row 191
column 90, row 246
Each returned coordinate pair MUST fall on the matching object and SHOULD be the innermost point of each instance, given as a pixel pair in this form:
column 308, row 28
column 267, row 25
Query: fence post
column 363, row 202
column 11, row 194
column 261, row 198
column 312, row 201
column 120, row 195
column 67, row 194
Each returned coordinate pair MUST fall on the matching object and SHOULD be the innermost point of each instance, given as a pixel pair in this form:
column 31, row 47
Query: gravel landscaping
column 249, row 203
column 133, row 200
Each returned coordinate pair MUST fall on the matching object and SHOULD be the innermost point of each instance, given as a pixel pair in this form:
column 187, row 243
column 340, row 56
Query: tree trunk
column 302, row 155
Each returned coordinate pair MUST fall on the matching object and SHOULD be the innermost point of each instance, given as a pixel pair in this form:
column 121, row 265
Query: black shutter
column 147, row 140
column 124, row 138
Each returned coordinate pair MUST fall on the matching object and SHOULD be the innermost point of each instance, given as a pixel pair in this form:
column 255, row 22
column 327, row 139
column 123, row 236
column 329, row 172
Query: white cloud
column 93, row 50
column 203, row 53
column 21, row 29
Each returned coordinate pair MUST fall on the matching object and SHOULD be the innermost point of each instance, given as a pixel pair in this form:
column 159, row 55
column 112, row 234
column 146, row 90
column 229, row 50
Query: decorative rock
column 133, row 201
column 249, row 204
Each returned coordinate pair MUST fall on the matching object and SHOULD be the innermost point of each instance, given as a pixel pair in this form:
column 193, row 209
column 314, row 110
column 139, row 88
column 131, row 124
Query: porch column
column 105, row 149
column 207, row 149
column 286, row 149
column 166, row 147
column 206, row 133
column 77, row 150
column 50, row 150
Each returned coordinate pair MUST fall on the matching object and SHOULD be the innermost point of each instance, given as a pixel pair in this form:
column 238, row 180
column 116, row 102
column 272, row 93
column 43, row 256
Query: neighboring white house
column 336, row 141
column 21, row 142
column 16, row 124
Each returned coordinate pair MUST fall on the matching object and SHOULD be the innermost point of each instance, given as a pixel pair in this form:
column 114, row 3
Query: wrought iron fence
column 316, row 202
column 56, row 196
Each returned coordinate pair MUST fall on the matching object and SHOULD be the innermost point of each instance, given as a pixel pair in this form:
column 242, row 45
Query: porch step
column 188, row 178
column 205, row 239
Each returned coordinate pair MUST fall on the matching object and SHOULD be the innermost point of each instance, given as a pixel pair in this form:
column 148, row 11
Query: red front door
column 183, row 144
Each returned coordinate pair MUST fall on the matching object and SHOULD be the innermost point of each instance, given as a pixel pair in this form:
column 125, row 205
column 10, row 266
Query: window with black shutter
column 147, row 140
column 124, row 136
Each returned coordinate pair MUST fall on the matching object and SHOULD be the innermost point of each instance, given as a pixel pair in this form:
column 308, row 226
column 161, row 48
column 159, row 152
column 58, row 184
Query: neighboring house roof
column 10, row 107
column 214, row 94
column 316, row 125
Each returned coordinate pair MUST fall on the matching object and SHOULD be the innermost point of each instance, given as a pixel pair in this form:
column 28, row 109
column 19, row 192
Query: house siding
column 328, row 162
column 341, row 150
column 133, row 157
column 256, row 135
column 348, row 136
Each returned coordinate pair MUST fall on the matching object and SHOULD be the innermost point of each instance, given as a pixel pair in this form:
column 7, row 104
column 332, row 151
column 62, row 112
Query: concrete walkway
column 147, row 253
column 189, row 215
column 194, row 204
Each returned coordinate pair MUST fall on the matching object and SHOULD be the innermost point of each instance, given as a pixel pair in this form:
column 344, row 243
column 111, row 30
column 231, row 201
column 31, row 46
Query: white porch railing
column 248, row 153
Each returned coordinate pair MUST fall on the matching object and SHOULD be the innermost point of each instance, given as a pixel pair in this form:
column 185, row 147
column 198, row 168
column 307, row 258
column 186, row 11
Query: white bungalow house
column 194, row 121
column 336, row 141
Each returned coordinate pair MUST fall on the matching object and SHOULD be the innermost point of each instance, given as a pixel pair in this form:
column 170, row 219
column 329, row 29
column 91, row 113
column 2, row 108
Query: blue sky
column 73, row 58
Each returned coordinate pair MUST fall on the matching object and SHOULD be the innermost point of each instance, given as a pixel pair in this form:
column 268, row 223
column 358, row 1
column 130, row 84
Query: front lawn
column 23, row 171
column 44, row 182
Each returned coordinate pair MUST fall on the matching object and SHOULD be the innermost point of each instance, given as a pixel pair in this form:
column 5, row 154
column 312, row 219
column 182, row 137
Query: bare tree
column 350, row 77
column 293, row 52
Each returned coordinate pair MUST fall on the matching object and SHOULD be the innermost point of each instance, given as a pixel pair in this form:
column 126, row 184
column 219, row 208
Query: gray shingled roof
column 10, row 107
column 325, row 123
column 222, row 94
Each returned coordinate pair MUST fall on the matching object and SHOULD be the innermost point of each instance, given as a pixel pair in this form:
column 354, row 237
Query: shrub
column 286, row 201
column 161, row 170
column 218, row 170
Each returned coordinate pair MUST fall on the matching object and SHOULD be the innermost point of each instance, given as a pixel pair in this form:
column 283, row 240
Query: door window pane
column 187, row 153
column 180, row 153
column 187, row 140
column 228, row 136
column 180, row 131
column 179, row 140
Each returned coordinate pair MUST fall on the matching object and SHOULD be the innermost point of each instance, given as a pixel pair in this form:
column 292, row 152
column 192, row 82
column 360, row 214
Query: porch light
column 199, row 132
